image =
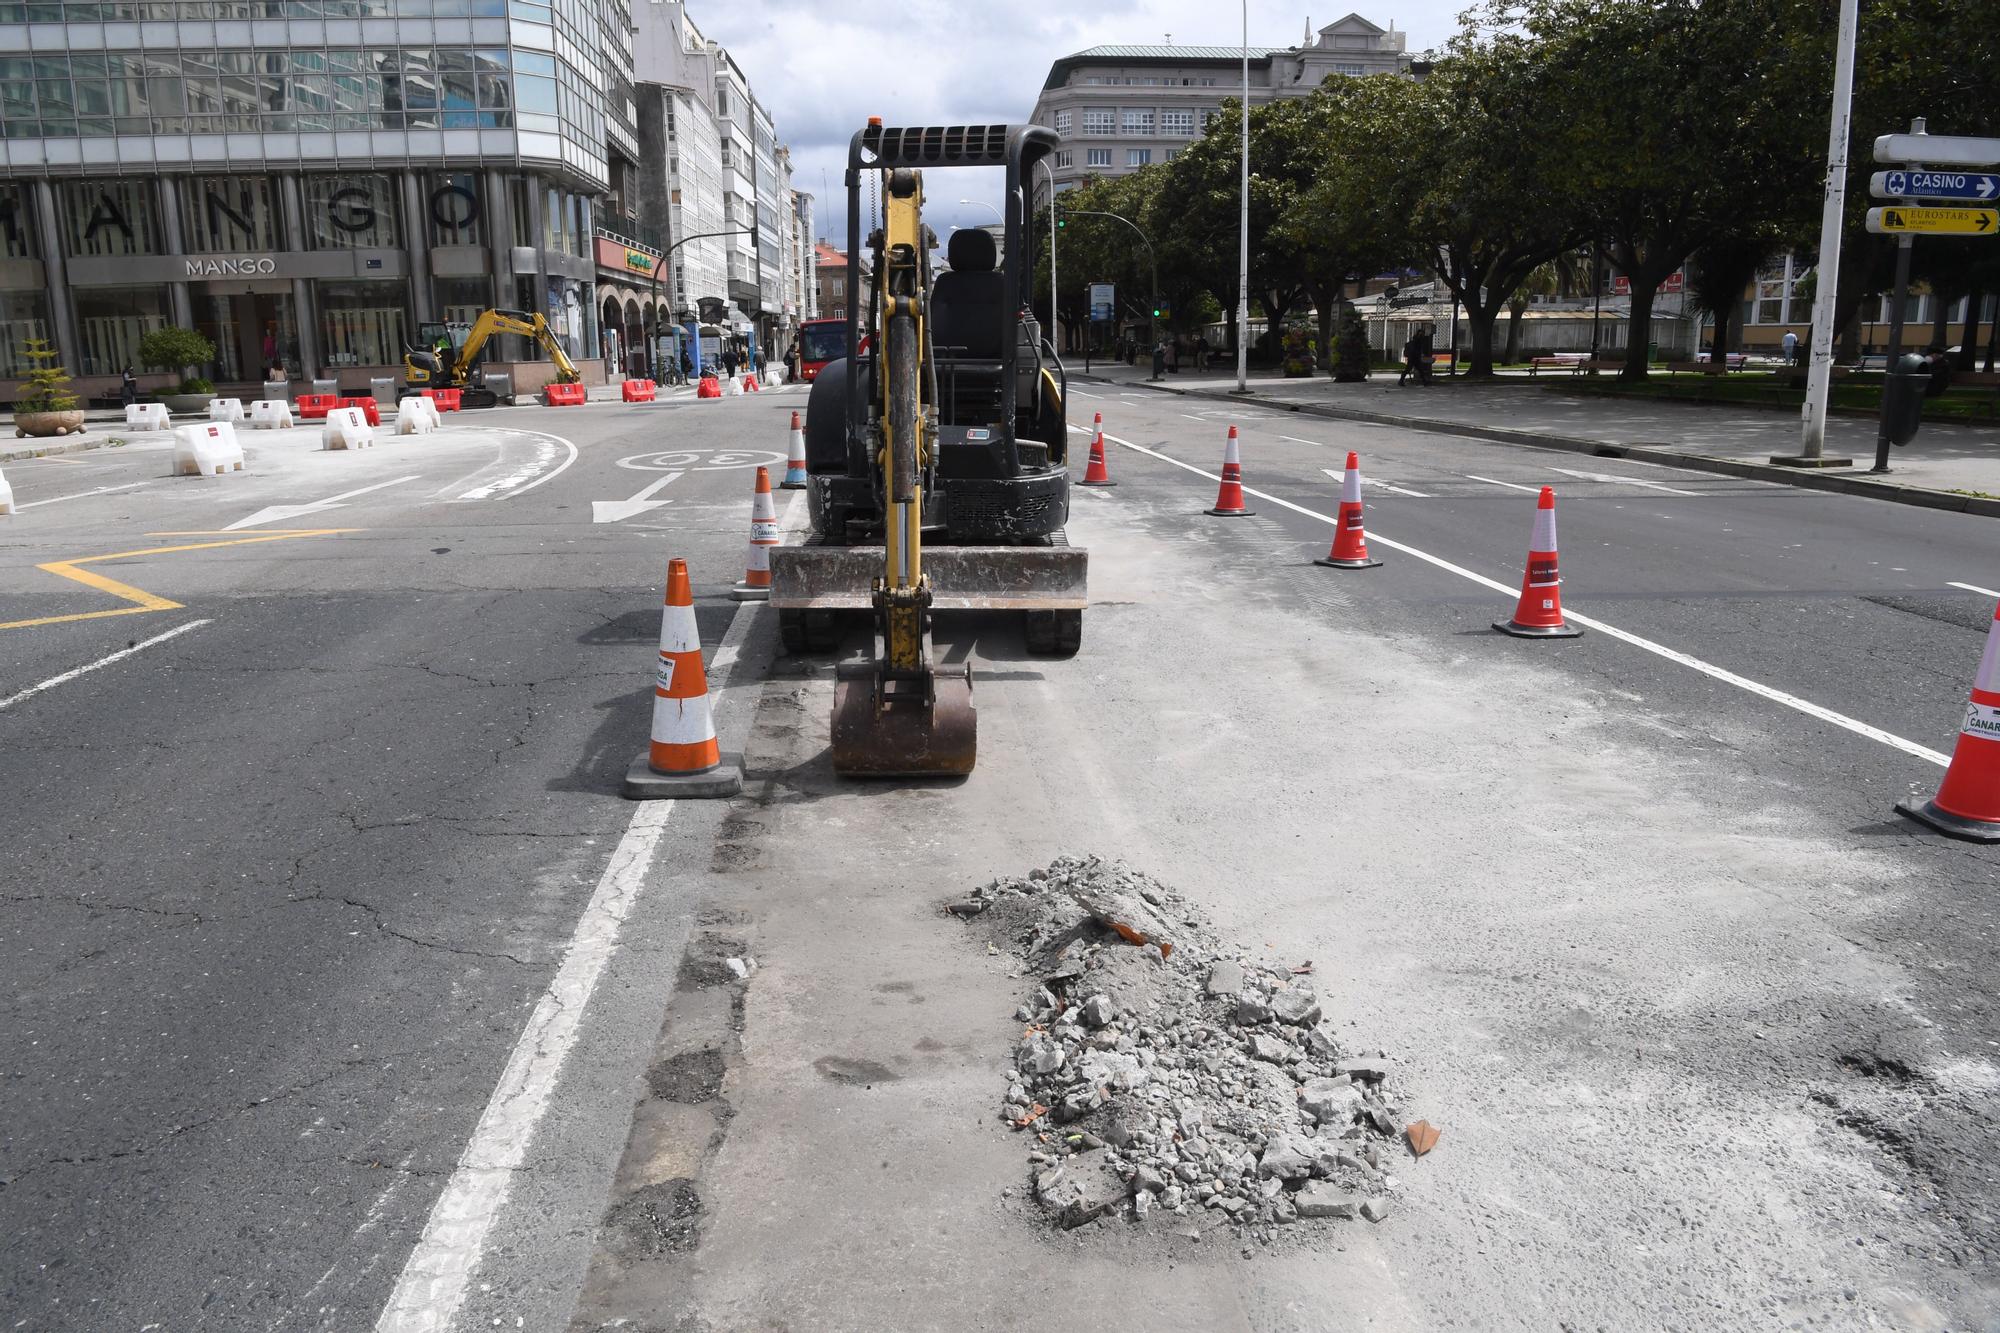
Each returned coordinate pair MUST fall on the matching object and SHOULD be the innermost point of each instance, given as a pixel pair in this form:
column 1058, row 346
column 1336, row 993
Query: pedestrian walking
column 1160, row 359
column 128, row 388
column 1791, row 343
column 1426, row 348
column 1410, row 346
column 792, row 361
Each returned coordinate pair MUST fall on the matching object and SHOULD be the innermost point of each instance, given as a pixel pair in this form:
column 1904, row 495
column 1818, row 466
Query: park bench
column 1600, row 364
column 1571, row 362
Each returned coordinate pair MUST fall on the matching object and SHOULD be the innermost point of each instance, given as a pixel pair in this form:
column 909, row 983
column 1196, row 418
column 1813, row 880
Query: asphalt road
column 282, row 893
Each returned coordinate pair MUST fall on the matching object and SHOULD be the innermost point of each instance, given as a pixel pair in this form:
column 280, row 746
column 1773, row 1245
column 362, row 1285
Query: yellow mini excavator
column 449, row 354
column 946, row 442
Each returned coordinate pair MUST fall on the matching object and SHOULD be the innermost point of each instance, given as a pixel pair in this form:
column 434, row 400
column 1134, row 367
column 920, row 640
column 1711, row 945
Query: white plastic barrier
column 6, row 496
column 732, row 387
column 271, row 414
column 347, row 428
column 225, row 409
column 206, row 451
column 772, row 376
column 147, row 416
column 416, row 416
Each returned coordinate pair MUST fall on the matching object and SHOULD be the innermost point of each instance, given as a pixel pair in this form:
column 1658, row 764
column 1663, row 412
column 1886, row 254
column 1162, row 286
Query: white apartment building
column 1120, row 108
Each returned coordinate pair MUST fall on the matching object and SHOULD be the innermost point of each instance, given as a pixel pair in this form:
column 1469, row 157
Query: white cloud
column 823, row 68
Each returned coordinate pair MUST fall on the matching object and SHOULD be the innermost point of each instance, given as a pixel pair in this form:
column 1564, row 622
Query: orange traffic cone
column 684, row 758
column 1350, row 537
column 1096, row 423
column 1097, row 474
column 1540, row 612
column 1229, row 497
column 756, row 585
column 795, row 466
column 1967, row 804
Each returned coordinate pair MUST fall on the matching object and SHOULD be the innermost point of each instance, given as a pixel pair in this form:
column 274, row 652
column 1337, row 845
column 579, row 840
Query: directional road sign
column 1938, row 150
column 1914, row 184
column 1935, row 221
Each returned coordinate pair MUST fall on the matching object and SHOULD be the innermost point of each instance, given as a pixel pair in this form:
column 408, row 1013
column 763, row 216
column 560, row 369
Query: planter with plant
column 180, row 350
column 1350, row 349
column 46, row 406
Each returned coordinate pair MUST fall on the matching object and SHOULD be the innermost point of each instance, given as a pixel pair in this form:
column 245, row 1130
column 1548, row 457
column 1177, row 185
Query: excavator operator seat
column 966, row 301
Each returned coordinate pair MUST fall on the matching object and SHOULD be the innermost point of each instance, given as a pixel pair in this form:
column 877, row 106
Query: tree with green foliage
column 47, row 385
column 179, row 350
column 1720, row 271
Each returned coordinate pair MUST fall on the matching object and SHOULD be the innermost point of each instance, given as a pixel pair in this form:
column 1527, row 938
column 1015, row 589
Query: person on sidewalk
column 1410, row 346
column 1160, row 359
column 1791, row 343
column 128, row 388
column 1425, row 347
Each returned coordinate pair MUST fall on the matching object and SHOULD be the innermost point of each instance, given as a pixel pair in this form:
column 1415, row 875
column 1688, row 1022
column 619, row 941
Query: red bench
column 446, row 399
column 638, row 391
column 315, row 406
column 370, row 409
column 563, row 395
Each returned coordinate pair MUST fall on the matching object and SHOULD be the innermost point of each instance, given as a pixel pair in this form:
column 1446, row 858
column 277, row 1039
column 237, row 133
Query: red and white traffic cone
column 795, row 465
column 1229, row 497
column 1967, row 804
column 1540, row 612
column 1096, row 473
column 1096, row 423
column 756, row 585
column 1350, row 536
column 684, row 757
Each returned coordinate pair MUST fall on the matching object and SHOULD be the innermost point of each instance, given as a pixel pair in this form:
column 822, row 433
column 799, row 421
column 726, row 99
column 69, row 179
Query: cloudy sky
column 822, row 68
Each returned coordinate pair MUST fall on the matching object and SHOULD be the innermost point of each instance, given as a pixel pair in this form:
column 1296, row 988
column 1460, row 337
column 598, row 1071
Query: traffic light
column 1061, row 222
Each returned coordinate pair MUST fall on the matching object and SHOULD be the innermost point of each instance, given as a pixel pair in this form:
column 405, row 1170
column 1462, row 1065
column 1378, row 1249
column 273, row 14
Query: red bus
column 820, row 341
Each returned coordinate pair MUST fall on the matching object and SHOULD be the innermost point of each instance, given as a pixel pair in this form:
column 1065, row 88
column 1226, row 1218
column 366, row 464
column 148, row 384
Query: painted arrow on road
column 617, row 511
column 277, row 512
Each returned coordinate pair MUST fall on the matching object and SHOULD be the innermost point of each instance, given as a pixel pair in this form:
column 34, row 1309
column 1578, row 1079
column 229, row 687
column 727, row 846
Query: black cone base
column 1562, row 631
column 1951, row 825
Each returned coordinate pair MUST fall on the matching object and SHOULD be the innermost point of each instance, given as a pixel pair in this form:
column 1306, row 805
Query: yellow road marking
column 143, row 601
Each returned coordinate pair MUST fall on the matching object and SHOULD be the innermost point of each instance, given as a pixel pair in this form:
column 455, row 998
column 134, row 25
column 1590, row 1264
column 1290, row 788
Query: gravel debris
column 1162, row 1075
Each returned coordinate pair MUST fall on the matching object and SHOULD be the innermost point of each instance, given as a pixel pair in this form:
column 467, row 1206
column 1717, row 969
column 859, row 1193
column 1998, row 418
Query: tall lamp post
column 654, row 359
column 1243, row 238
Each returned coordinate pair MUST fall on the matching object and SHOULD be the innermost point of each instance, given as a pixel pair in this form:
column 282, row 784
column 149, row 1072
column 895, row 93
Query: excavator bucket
column 903, row 727
column 963, row 578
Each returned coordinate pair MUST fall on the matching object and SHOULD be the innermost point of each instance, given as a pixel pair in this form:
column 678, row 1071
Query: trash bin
column 501, row 382
column 383, row 387
column 277, row 391
column 1903, row 398
column 326, row 387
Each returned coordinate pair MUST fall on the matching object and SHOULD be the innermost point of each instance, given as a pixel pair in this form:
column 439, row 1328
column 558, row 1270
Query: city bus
column 820, row 341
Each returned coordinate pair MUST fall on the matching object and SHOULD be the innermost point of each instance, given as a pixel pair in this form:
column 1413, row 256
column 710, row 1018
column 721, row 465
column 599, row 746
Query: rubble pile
column 1161, row 1073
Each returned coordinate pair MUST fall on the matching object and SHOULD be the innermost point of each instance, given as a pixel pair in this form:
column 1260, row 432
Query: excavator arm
column 533, row 326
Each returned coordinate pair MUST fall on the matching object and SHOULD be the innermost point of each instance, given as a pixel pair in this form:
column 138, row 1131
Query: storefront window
column 555, row 222
column 517, row 194
column 363, row 323
column 351, row 212
column 462, row 299
column 17, row 213
column 229, row 213
column 102, row 218
column 110, row 321
column 457, row 213
column 23, row 315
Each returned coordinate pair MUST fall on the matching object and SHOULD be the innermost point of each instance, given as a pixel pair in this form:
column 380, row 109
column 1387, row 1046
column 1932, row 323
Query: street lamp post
column 654, row 359
column 1243, row 238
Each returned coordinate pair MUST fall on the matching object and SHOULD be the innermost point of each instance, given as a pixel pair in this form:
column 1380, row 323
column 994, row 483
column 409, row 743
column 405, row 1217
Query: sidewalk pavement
column 1948, row 465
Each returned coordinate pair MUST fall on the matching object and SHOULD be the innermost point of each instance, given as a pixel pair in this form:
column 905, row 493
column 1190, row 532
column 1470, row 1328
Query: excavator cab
column 936, row 457
column 446, row 356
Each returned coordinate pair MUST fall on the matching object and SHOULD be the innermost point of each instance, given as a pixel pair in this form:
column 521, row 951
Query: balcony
column 628, row 230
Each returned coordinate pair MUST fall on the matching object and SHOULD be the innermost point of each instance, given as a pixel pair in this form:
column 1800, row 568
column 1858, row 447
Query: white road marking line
column 1722, row 674
column 434, row 1280
column 1532, row 490
column 1192, row 417
column 511, row 484
column 1973, row 587
column 80, row 495
column 1621, row 481
column 275, row 512
column 85, row 670
column 1079, row 393
column 616, row 511
column 1296, row 440
column 1339, row 474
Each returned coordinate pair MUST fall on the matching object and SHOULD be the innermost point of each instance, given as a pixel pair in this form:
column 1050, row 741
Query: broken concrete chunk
column 1252, row 1008
column 1225, row 979
column 1285, row 1160
column 1039, row 1055
column 1098, row 1010
column 1375, row 1209
column 971, row 907
column 1086, row 1190
column 1320, row 1045
column 1129, row 915
column 1363, row 1070
column 1323, row 1199
column 1296, row 1005
column 1330, row 1101
column 1272, row 1050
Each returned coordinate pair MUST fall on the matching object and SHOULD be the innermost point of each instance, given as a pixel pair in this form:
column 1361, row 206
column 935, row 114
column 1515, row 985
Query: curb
column 1921, row 496
column 66, row 447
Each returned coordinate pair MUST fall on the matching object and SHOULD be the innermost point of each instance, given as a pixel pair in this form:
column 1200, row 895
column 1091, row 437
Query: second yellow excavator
column 449, row 354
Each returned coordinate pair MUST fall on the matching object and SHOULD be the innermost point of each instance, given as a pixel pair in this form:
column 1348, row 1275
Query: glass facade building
column 304, row 181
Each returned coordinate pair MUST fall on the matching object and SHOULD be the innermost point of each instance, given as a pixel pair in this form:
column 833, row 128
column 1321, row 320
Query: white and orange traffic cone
column 1539, row 615
column 1097, row 423
column 1229, row 496
column 1350, row 535
column 1967, row 804
column 795, row 464
column 756, row 585
column 1096, row 473
column 684, row 757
